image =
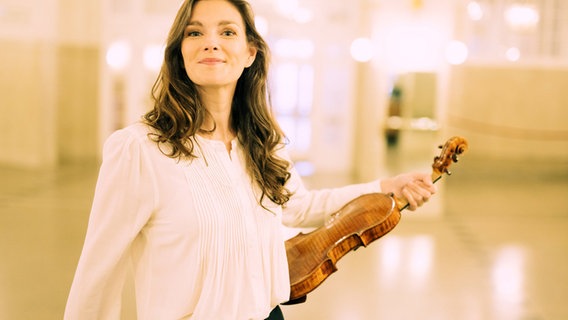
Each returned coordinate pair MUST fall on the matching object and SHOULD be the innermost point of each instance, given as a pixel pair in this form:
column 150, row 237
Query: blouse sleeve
column 122, row 205
column 308, row 208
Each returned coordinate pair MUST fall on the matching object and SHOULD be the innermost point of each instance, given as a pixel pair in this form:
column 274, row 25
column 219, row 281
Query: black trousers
column 276, row 314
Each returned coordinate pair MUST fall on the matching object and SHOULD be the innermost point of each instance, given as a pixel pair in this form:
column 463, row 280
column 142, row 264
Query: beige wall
column 77, row 103
column 49, row 103
column 510, row 112
column 27, row 103
column 49, row 56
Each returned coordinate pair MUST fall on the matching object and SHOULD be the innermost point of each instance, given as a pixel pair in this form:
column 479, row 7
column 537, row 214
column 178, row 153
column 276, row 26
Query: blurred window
column 517, row 30
column 292, row 97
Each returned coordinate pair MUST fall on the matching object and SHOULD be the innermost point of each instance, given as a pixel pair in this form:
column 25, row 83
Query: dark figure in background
column 393, row 121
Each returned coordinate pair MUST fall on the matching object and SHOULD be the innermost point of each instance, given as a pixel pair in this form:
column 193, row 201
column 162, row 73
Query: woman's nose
column 211, row 43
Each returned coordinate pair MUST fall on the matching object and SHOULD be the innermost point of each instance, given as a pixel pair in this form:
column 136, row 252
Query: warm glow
column 513, row 54
column 261, row 24
column 291, row 9
column 421, row 254
column 409, row 258
column 289, row 48
column 391, row 258
column 118, row 55
column 285, row 93
column 522, row 16
column 456, row 52
column 305, row 89
column 424, row 123
column 475, row 11
column 287, row 7
column 508, row 274
column 303, row 15
column 153, row 57
column 304, row 168
column 413, row 47
column 362, row 49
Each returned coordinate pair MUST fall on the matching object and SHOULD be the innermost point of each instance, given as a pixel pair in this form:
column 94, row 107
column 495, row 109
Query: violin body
column 312, row 256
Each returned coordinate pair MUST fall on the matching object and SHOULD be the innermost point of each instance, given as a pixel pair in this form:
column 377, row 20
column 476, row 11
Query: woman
column 194, row 196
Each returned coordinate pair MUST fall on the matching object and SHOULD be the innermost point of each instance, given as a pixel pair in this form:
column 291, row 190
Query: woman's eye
column 192, row 33
column 229, row 33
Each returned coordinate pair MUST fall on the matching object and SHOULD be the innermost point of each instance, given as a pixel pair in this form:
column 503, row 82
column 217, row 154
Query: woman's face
column 214, row 48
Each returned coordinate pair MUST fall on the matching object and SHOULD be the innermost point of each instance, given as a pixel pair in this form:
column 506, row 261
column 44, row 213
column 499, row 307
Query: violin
column 312, row 257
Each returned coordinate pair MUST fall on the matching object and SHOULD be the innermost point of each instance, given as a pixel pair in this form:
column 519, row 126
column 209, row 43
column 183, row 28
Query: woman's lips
column 211, row 61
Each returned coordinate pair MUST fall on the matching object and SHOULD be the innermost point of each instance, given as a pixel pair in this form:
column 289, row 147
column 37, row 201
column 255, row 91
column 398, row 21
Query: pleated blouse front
column 200, row 244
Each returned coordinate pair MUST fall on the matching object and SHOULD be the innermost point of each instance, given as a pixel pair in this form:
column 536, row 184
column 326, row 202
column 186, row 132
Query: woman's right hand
column 415, row 187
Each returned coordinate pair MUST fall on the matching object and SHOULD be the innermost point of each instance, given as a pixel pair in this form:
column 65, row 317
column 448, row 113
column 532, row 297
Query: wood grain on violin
column 312, row 257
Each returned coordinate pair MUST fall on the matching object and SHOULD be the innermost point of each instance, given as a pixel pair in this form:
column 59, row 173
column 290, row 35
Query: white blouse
column 200, row 245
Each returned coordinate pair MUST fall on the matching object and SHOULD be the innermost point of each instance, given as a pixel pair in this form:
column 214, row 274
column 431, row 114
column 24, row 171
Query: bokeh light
column 456, row 52
column 118, row 55
column 362, row 49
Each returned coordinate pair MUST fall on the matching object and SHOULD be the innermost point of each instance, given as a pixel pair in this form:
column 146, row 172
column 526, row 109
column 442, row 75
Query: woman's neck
column 218, row 103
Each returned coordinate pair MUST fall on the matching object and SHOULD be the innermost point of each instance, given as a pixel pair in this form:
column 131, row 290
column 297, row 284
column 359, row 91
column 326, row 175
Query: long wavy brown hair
column 178, row 112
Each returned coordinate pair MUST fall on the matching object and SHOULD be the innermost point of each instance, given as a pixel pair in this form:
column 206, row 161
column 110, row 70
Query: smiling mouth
column 211, row 61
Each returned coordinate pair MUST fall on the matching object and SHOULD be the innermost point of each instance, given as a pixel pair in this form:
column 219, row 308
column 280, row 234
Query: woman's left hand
column 415, row 187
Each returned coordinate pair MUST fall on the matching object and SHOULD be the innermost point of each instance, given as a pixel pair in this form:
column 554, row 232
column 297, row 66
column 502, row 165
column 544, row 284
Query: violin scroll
column 450, row 153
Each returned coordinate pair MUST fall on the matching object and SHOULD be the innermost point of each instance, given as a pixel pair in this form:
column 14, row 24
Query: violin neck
column 436, row 176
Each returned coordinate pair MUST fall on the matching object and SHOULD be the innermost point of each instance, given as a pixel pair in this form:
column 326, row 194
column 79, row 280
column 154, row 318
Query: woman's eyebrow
column 221, row 23
column 227, row 22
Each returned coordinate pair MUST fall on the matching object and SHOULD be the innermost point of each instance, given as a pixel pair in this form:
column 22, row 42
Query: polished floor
column 492, row 246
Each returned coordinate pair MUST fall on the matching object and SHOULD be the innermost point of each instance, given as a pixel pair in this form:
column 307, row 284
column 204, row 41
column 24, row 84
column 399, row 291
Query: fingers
column 412, row 203
column 414, row 196
column 425, row 181
column 416, row 188
column 418, row 192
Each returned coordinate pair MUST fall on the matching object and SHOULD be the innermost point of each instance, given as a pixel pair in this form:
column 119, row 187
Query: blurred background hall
column 363, row 89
